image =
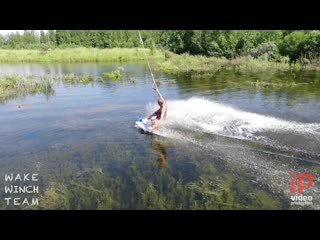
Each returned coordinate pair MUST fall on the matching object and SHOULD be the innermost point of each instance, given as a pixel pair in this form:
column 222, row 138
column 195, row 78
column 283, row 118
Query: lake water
column 227, row 144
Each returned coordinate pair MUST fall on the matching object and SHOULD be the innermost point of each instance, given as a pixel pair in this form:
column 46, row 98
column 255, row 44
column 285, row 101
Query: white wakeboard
column 146, row 127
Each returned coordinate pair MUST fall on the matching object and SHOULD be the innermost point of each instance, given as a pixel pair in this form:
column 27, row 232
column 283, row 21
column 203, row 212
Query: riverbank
column 175, row 63
column 74, row 55
column 198, row 67
column 160, row 60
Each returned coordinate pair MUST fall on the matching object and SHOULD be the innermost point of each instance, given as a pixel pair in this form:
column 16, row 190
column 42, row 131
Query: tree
column 52, row 37
column 175, row 42
column 290, row 43
column 310, row 48
column 2, row 41
column 269, row 49
column 43, row 37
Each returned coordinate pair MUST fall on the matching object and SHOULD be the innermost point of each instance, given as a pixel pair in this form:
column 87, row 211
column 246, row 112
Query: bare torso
column 160, row 114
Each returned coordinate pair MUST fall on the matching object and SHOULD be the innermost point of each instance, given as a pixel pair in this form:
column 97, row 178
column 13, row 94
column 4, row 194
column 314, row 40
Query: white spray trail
column 186, row 118
column 206, row 116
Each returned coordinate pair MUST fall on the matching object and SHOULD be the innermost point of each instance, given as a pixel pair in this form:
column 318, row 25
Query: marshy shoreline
column 161, row 59
column 197, row 67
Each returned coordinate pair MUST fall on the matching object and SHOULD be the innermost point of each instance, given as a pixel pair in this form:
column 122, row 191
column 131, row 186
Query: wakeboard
column 146, row 126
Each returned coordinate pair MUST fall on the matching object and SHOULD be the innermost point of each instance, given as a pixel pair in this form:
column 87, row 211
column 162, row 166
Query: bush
column 267, row 50
column 290, row 43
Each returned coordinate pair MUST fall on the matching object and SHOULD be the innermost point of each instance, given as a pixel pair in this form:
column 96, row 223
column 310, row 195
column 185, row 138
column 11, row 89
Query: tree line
column 276, row 45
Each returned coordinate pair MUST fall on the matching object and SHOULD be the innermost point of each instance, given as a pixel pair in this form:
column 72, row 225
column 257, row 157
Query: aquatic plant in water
column 17, row 85
column 116, row 74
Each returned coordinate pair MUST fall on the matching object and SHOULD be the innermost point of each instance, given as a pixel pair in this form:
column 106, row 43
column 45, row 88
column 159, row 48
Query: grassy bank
column 71, row 55
column 205, row 65
column 161, row 60
column 199, row 67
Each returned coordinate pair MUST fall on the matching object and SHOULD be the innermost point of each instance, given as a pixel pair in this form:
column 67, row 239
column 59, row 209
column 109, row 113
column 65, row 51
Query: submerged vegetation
column 116, row 74
column 147, row 185
column 73, row 79
column 104, row 174
column 17, row 85
column 25, row 84
column 202, row 194
column 201, row 71
column 117, row 176
column 12, row 86
column 113, row 74
column 178, row 51
column 264, row 84
column 101, row 173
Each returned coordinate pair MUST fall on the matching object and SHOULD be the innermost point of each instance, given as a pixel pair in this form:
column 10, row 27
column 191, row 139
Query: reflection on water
column 229, row 144
column 160, row 148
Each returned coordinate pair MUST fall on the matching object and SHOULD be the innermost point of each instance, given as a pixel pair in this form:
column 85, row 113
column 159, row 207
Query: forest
column 291, row 46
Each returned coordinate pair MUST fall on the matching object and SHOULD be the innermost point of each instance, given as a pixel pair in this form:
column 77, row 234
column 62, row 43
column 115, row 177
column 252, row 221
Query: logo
column 21, row 188
column 299, row 182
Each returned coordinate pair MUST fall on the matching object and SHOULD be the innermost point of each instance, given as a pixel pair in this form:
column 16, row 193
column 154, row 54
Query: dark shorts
column 158, row 114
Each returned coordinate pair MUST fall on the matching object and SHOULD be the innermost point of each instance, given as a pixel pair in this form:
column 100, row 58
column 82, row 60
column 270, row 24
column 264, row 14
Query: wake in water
column 221, row 129
column 204, row 116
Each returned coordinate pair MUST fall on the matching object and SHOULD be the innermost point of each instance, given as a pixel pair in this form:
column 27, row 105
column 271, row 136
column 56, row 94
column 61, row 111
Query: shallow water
column 228, row 144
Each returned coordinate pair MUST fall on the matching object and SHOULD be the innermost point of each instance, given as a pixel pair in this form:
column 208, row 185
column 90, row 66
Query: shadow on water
column 160, row 148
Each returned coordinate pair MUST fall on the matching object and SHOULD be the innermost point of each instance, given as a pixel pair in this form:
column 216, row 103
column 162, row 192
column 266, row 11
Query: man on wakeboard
column 157, row 117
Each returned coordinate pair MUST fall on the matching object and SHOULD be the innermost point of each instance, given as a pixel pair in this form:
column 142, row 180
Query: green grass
column 265, row 84
column 72, row 55
column 171, row 81
column 160, row 60
column 12, row 86
column 205, row 65
column 85, row 79
column 70, row 77
column 199, row 67
column 133, row 79
column 114, row 75
column 73, row 79
column 19, row 83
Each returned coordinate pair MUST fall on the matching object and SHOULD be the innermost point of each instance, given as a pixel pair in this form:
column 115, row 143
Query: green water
column 231, row 142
